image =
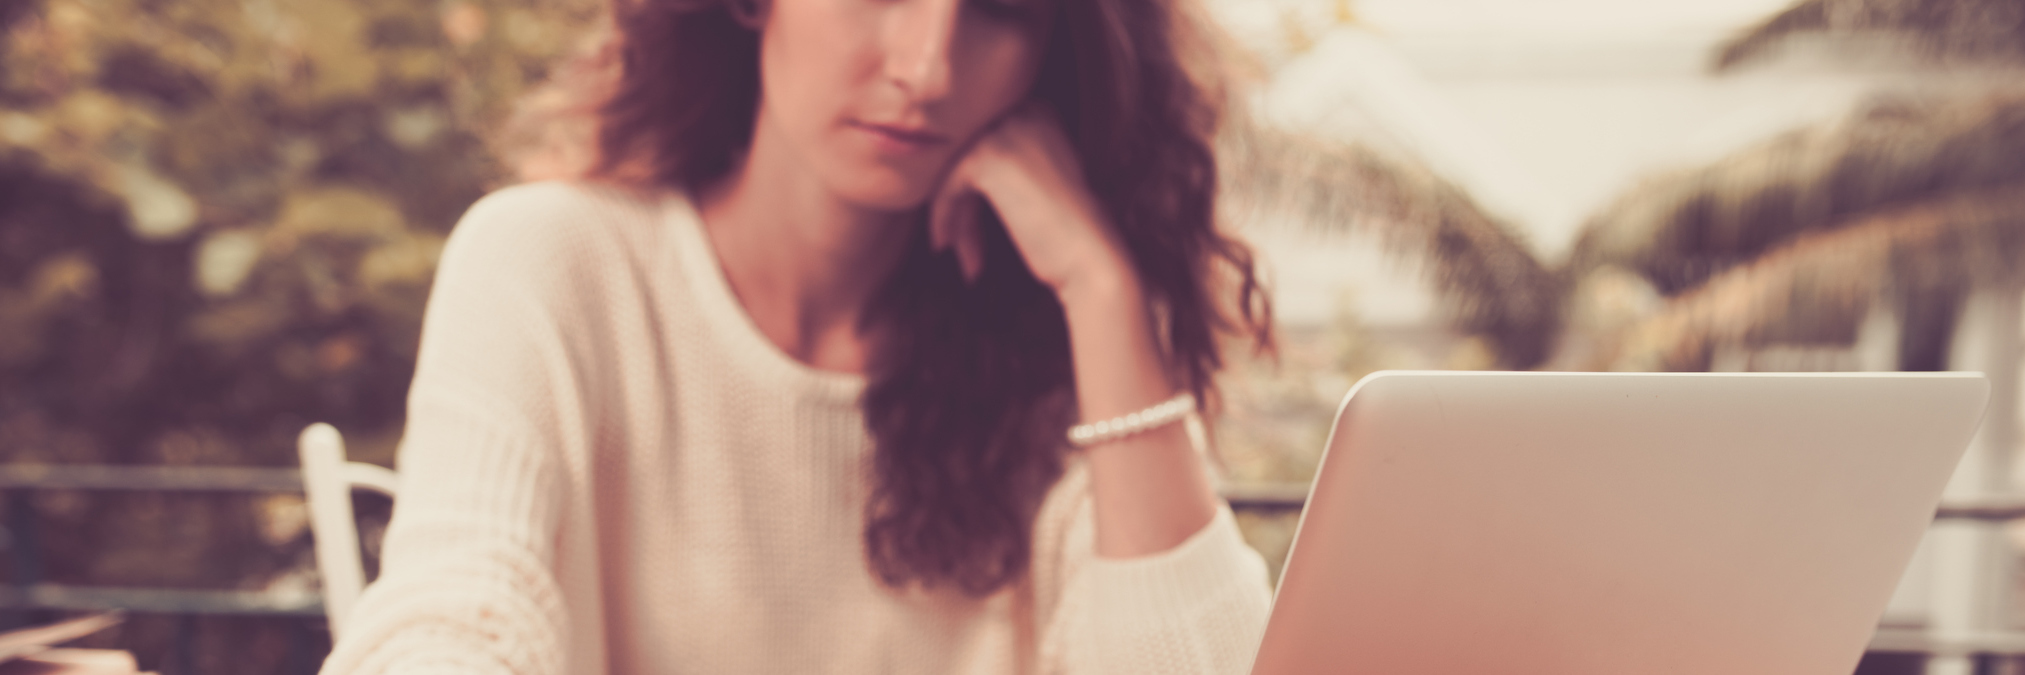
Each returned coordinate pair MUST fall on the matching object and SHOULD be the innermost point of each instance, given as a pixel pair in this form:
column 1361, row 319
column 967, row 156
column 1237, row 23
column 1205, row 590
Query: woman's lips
column 901, row 140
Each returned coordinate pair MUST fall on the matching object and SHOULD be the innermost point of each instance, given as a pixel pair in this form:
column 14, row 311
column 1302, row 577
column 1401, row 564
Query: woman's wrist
column 1119, row 367
column 1107, row 288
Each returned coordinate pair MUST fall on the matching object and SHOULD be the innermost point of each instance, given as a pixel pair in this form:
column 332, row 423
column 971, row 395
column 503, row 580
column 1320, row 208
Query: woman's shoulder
column 549, row 224
column 552, row 242
column 558, row 209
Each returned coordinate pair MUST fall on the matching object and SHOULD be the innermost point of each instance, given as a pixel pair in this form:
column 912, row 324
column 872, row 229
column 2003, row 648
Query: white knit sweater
column 607, row 468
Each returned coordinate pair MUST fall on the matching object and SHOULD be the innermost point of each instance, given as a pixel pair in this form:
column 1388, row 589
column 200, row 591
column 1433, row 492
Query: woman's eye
column 1004, row 10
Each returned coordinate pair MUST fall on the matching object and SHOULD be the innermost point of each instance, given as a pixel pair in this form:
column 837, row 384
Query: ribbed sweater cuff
column 467, row 583
column 479, row 470
column 1180, row 582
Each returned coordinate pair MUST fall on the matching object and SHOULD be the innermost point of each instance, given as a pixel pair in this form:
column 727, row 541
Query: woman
column 780, row 381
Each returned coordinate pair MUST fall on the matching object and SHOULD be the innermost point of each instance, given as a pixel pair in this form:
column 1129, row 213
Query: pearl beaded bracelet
column 1160, row 415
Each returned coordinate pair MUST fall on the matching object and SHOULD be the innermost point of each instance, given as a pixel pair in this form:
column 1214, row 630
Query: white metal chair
column 328, row 481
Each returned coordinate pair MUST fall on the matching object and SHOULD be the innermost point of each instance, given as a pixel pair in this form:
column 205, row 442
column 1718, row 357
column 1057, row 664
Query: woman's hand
column 1151, row 490
column 1026, row 169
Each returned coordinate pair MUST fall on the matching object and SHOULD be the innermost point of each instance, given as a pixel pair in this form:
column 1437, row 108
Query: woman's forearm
column 1151, row 490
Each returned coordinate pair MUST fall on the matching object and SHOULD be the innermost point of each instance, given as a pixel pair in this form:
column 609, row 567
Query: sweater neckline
column 724, row 314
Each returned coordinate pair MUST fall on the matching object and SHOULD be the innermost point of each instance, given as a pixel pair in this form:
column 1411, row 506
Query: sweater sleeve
column 466, row 583
column 1196, row 609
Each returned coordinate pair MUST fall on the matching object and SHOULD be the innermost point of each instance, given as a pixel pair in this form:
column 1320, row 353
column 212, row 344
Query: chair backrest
column 328, row 481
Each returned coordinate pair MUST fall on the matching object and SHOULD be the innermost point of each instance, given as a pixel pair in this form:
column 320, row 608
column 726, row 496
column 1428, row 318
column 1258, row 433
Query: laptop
column 1612, row 523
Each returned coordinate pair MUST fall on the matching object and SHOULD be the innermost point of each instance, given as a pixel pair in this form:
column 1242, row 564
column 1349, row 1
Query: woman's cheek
column 1001, row 67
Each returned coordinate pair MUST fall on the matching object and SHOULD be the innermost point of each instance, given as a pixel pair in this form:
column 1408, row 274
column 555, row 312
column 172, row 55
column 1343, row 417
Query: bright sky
column 1270, row 26
column 1544, row 109
column 1551, row 19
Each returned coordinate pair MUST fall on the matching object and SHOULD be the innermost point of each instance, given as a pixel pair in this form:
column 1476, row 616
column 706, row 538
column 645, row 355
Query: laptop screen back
column 1602, row 524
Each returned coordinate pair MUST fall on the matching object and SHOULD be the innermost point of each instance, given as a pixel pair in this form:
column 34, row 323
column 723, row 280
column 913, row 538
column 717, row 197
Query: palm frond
column 1681, row 229
column 1948, row 31
column 1819, row 284
column 1480, row 267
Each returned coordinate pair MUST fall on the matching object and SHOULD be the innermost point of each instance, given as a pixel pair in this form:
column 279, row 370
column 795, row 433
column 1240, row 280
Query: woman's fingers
column 952, row 223
column 938, row 219
column 969, row 243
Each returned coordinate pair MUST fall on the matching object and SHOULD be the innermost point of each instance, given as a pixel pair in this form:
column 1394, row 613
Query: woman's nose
column 918, row 51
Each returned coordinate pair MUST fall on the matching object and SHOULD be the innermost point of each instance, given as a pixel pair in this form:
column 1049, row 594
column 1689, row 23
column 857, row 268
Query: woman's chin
column 884, row 191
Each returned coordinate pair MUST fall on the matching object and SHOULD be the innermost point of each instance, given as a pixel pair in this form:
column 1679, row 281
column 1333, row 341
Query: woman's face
column 877, row 97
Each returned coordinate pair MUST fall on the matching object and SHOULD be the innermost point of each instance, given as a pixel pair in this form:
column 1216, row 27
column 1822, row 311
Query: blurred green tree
column 218, row 222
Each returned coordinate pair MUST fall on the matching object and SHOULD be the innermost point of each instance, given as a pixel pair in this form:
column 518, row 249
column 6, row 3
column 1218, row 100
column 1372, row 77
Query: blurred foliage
column 1948, row 32
column 1495, row 290
column 1900, row 207
column 218, row 222
column 1273, row 32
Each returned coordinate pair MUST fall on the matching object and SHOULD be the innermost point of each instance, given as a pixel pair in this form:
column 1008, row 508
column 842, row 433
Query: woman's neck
column 804, row 264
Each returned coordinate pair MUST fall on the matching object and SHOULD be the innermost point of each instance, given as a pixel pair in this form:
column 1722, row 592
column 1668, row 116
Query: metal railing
column 28, row 591
column 27, row 594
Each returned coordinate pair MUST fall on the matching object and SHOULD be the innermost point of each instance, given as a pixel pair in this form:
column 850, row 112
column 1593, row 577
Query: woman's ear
column 750, row 13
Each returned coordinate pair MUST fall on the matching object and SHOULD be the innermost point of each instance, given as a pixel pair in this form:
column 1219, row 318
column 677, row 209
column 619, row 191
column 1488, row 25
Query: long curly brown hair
column 968, row 400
